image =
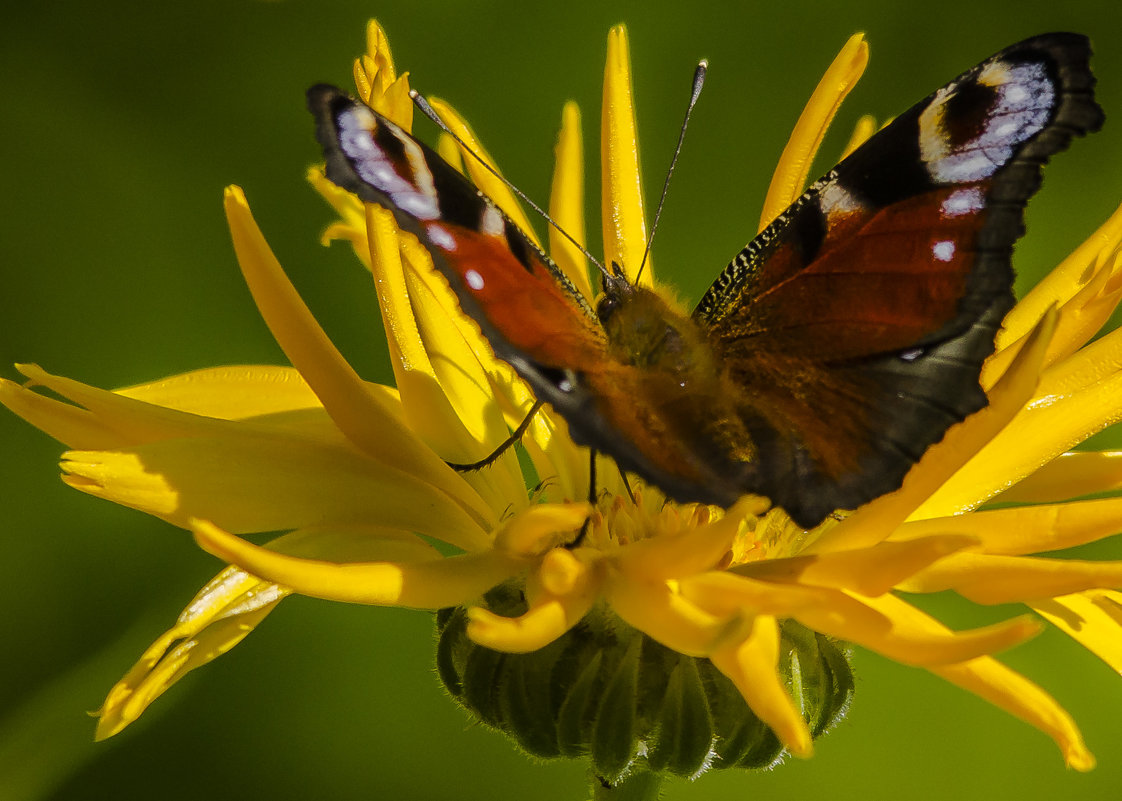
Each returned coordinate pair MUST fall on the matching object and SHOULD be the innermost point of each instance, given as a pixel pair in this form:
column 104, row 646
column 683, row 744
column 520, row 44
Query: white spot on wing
column 491, row 222
column 474, row 280
column 963, row 201
column 943, row 250
column 835, row 199
column 440, row 237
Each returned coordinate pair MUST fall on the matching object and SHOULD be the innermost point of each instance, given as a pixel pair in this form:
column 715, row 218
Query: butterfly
column 836, row 347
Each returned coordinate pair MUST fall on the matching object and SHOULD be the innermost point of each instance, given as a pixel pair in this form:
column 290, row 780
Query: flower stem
column 642, row 785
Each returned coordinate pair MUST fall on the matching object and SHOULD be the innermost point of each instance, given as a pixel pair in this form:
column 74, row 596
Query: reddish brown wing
column 530, row 313
column 856, row 323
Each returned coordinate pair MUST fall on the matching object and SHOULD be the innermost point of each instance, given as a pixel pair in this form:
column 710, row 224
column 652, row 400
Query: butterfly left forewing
column 531, row 314
column 857, row 322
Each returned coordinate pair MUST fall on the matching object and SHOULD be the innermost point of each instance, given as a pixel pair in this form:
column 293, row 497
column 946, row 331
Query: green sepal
column 575, row 717
column 613, row 743
column 685, row 726
column 526, row 702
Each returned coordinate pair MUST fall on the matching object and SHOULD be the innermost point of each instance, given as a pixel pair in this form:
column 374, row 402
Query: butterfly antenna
column 430, row 112
column 695, row 92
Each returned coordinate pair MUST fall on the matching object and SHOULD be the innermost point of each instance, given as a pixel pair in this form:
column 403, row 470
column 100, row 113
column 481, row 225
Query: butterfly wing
column 528, row 310
column 856, row 323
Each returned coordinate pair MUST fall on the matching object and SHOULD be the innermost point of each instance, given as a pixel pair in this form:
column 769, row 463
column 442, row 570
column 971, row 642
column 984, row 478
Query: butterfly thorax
column 647, row 331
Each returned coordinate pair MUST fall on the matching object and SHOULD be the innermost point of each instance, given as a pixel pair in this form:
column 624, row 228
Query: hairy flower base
column 611, row 693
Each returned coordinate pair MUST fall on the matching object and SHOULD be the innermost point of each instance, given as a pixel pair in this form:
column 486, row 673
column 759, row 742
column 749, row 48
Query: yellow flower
column 356, row 476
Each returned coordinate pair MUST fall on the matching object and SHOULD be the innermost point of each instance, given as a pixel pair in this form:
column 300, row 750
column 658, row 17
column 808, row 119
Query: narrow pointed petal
column 624, row 223
column 751, row 665
column 483, row 178
column 446, row 394
column 1068, row 476
column 789, row 179
column 541, row 528
column 868, row 571
column 267, row 483
column 1080, row 317
column 876, row 521
column 915, row 638
column 561, row 593
column 1093, row 619
column 987, row 579
column 1093, row 363
column 343, row 393
column 378, row 50
column 663, row 614
column 131, row 421
column 430, row 584
column 74, row 427
column 1063, row 282
column 236, row 603
column 1019, row 530
column 866, row 126
column 234, row 393
column 229, row 607
column 566, row 200
column 690, row 552
column 1039, row 433
column 1009, row 690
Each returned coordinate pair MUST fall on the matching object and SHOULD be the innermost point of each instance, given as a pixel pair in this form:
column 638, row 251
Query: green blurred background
column 121, row 124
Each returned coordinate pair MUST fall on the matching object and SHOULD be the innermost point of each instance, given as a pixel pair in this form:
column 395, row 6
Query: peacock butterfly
column 835, row 348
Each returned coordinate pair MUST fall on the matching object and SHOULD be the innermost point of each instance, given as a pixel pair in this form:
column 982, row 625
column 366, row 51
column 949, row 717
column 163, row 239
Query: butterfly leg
column 506, row 444
column 591, row 499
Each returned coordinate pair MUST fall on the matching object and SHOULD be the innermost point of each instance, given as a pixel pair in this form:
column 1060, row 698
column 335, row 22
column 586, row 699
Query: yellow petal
column 915, row 638
column 876, row 520
column 267, row 483
column 1004, row 688
column 868, row 571
column 490, row 185
column 452, row 406
column 430, row 584
column 624, row 223
column 866, row 126
column 173, row 655
column 987, row 579
column 566, row 200
column 751, row 665
column 1093, row 619
column 884, row 624
column 1039, row 433
column 233, row 393
column 77, row 428
column 561, row 593
column 1068, row 476
column 1093, row 363
column 686, row 553
column 378, row 49
column 1061, row 283
column 666, row 616
column 356, row 411
column 229, row 607
column 1080, row 317
column 1026, row 529
column 540, row 528
column 789, row 179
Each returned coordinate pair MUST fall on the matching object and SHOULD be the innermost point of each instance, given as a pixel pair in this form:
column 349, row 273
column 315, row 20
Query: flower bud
column 610, row 693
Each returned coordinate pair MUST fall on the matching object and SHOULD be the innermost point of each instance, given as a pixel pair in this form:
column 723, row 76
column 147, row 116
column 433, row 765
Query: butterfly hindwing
column 857, row 322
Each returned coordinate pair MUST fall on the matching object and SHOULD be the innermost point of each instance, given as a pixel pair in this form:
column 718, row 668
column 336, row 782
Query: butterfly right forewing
column 856, row 324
